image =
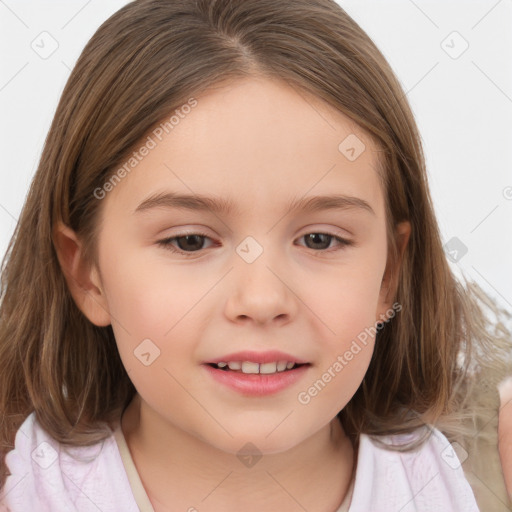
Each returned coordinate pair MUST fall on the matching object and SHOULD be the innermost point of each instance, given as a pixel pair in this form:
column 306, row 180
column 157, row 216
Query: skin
column 505, row 432
column 260, row 144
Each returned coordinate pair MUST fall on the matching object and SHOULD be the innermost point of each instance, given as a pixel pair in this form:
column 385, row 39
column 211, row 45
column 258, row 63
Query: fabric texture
column 137, row 488
column 48, row 477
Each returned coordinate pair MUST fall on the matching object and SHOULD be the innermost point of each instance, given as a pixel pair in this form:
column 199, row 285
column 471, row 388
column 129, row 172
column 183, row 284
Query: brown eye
column 322, row 241
column 187, row 244
column 190, row 242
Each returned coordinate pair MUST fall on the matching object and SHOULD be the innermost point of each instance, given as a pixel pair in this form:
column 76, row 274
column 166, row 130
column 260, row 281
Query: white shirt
column 49, row 477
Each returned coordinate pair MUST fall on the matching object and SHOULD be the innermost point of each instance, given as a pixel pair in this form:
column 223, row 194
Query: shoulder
column 48, row 476
column 429, row 477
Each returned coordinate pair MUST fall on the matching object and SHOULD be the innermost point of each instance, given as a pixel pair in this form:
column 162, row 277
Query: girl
column 311, row 352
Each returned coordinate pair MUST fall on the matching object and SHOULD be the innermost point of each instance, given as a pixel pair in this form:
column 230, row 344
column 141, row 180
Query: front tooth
column 268, row 367
column 234, row 365
column 281, row 366
column 249, row 367
column 221, row 364
column 289, row 365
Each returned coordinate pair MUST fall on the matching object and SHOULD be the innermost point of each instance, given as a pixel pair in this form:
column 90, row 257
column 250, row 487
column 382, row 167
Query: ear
column 82, row 278
column 389, row 284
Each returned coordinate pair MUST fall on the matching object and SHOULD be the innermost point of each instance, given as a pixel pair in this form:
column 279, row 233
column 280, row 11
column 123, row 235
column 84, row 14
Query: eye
column 323, row 241
column 190, row 243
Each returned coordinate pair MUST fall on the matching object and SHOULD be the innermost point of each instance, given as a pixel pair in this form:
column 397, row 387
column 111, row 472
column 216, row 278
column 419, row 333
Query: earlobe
column 82, row 279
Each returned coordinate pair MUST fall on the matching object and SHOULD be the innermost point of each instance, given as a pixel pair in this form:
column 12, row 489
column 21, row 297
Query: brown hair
column 145, row 61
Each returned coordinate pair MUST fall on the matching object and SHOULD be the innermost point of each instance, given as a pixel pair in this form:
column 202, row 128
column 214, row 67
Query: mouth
column 257, row 374
column 250, row 367
column 257, row 379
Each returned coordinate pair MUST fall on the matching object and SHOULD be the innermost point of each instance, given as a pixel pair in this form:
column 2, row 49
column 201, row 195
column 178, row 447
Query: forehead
column 254, row 142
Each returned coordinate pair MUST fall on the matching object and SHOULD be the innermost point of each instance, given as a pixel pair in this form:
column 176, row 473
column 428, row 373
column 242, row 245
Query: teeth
column 251, row 367
column 248, row 367
column 268, row 368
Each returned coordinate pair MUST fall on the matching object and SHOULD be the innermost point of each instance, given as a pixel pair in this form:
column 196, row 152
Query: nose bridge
column 259, row 290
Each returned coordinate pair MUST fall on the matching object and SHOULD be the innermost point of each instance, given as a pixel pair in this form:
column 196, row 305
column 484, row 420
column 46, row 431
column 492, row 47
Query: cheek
column 346, row 298
column 344, row 302
column 150, row 299
column 149, row 320
column 158, row 302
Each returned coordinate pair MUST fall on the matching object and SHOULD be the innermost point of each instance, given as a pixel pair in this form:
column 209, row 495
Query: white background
column 463, row 107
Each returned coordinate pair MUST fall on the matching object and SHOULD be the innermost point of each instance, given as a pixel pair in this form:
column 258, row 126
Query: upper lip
column 258, row 357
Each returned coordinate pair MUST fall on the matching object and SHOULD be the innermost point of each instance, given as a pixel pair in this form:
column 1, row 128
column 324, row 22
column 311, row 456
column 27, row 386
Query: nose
column 261, row 292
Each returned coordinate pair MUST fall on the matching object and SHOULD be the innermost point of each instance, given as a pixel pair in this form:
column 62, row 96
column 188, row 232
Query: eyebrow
column 224, row 207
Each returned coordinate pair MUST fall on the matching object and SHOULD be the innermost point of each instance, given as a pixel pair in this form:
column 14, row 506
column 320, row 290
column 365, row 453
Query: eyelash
column 166, row 243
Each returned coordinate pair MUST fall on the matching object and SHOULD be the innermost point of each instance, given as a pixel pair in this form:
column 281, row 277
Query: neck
column 180, row 471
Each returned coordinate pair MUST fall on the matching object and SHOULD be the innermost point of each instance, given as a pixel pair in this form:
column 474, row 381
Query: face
column 186, row 286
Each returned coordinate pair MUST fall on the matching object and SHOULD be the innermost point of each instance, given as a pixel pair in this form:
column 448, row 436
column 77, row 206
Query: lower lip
column 256, row 384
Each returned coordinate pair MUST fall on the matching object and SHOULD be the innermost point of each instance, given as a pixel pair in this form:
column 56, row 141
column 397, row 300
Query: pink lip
column 258, row 357
column 255, row 384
